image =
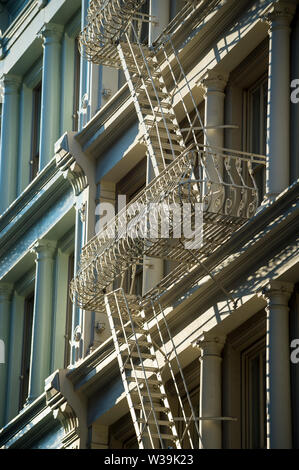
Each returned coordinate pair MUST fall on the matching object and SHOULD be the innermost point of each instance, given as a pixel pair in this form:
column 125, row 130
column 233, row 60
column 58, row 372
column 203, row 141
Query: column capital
column 210, row 344
column 214, row 81
column 6, row 289
column 280, row 15
column 10, row 83
column 51, row 33
column 277, row 292
column 44, row 249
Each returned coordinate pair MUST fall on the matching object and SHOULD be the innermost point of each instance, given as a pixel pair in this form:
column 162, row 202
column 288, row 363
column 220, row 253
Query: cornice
column 99, row 133
column 20, row 430
column 45, row 189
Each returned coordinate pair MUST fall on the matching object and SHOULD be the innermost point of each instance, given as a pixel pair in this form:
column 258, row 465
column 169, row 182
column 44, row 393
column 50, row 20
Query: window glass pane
column 256, row 125
column 255, row 398
column 27, row 336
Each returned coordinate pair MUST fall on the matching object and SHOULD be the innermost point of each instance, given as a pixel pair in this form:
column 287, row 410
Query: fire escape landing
column 217, row 185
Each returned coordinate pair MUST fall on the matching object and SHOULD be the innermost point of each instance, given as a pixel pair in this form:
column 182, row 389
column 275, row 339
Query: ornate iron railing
column 226, row 191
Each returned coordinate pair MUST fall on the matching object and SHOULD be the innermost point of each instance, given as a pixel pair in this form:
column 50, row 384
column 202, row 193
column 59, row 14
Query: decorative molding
column 10, row 84
column 44, row 249
column 277, row 292
column 51, row 33
column 214, row 81
column 63, row 412
column 83, row 212
column 6, row 290
column 210, row 344
column 41, row 4
column 280, row 15
column 67, row 164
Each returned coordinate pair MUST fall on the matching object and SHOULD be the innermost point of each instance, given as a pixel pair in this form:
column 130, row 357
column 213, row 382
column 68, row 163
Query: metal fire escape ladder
column 146, row 350
column 141, row 374
column 161, row 131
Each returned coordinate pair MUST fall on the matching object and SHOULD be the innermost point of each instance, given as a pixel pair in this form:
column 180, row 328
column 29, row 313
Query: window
column 76, row 100
column 27, row 337
column 254, row 396
column 37, row 96
column 69, row 310
column 257, row 128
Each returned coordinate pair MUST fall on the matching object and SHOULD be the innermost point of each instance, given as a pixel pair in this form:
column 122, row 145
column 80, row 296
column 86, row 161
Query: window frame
column 26, row 349
column 258, row 349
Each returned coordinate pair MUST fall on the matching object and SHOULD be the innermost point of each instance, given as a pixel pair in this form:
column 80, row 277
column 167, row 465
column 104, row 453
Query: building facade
column 121, row 339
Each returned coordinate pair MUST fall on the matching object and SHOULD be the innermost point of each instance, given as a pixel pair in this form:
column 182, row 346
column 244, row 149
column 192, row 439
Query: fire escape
column 219, row 181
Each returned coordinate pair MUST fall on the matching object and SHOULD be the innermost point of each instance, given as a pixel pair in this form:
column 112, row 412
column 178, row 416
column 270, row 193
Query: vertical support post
column 278, row 381
column 51, row 88
column 99, row 436
column 214, row 85
column 5, row 302
column 9, row 140
column 210, row 391
column 161, row 11
column 42, row 317
column 278, row 122
column 15, row 356
column 85, row 69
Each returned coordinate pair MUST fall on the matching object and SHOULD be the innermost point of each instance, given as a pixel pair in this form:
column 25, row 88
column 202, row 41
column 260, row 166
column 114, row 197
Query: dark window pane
column 27, row 337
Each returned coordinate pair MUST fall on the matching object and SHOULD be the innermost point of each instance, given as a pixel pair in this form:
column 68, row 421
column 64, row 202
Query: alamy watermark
column 295, row 92
column 295, row 352
column 2, row 352
column 152, row 221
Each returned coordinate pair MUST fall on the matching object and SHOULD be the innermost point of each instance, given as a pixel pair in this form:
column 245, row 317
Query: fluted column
column 278, row 123
column 9, row 140
column 42, row 317
column 210, row 405
column 5, row 302
column 51, row 91
column 278, row 382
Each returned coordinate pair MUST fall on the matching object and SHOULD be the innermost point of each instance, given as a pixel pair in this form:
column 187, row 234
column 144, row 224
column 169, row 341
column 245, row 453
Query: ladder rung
column 141, row 343
column 143, row 368
column 160, row 422
column 169, row 147
column 143, row 380
column 137, row 330
column 144, row 393
column 169, row 437
column 142, row 355
column 160, row 94
column 154, row 103
column 164, row 135
column 168, row 115
column 147, row 406
column 160, row 124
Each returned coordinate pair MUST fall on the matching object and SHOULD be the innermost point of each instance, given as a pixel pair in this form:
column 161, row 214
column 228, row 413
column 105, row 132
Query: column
column 85, row 72
column 51, row 87
column 161, row 12
column 214, row 85
column 278, row 123
column 42, row 317
column 210, row 391
column 278, row 382
column 9, row 140
column 5, row 302
column 99, row 436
